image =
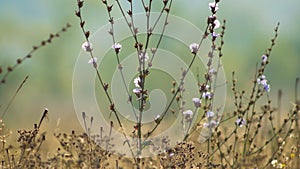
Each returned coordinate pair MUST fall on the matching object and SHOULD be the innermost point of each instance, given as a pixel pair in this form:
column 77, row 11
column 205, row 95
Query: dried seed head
column 77, row 13
column 87, row 34
column 109, row 8
column 82, row 24
column 9, row 69
column 87, row 46
column 80, row 3
column 19, row 61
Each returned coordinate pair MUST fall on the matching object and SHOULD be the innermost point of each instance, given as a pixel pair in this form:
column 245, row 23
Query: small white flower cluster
column 264, row 82
column 87, row 46
column 137, row 82
column 93, row 61
column 240, row 122
column 277, row 164
column 143, row 57
column 213, row 20
column 188, row 115
column 136, row 90
column 264, row 59
column 157, row 118
column 197, row 102
column 212, row 71
column 117, row 47
column 211, row 124
column 213, row 6
column 194, row 47
column 214, row 34
column 217, row 25
column 210, row 115
column 274, row 162
column 207, row 95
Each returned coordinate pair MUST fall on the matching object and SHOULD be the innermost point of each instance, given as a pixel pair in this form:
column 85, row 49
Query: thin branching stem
column 13, row 97
column 120, row 67
column 32, row 51
column 103, row 85
column 179, row 86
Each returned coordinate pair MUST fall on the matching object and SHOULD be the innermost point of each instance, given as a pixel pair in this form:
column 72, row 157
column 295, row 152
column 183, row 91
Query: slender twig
column 256, row 91
column 103, row 85
column 179, row 86
column 13, row 97
column 42, row 118
column 31, row 52
column 120, row 68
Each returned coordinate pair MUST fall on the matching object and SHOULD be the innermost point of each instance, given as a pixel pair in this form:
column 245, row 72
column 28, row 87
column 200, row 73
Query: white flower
column 212, row 123
column 197, row 102
column 136, row 91
column 264, row 58
column 171, row 155
column 194, row 47
column 188, row 112
column 213, row 6
column 206, row 95
column 263, row 77
column 87, row 46
column 267, row 88
column 137, row 82
column 92, row 60
column 117, row 47
column 207, row 87
column 240, row 122
column 210, row 114
column 143, row 57
column 157, row 118
column 217, row 24
column 274, row 162
column 212, row 71
column 153, row 50
column 215, row 35
column 262, row 80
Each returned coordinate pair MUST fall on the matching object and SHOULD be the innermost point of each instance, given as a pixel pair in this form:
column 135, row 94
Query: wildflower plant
column 142, row 55
column 136, row 92
column 151, row 94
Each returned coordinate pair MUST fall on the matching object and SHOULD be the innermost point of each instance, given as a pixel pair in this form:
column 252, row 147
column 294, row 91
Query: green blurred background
column 250, row 27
